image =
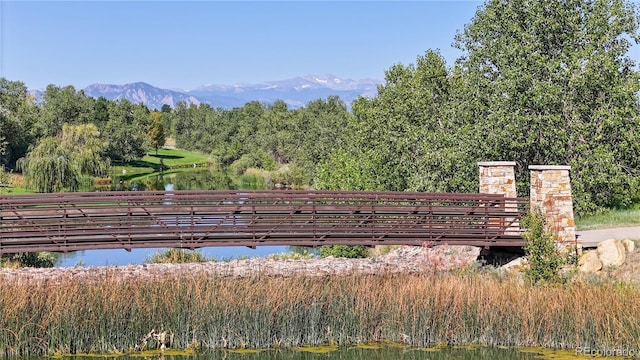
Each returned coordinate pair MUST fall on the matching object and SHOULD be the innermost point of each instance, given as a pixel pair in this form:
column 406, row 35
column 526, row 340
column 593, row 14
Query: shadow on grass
column 137, row 164
column 160, row 156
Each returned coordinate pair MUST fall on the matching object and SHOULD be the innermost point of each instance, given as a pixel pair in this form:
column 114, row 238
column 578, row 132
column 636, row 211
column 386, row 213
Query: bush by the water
column 176, row 256
column 111, row 312
column 38, row 259
column 344, row 251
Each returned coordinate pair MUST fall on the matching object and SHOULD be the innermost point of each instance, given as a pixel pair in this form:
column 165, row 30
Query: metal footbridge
column 64, row 222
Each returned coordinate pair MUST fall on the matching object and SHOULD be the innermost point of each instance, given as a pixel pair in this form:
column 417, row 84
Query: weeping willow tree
column 58, row 163
column 87, row 147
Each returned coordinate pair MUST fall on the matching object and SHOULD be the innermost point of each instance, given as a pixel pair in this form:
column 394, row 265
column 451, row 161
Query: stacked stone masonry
column 551, row 193
column 498, row 177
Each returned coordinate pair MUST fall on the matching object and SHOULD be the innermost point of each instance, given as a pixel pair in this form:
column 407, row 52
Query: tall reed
column 42, row 317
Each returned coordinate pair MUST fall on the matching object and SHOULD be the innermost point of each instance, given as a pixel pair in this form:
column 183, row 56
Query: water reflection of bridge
column 195, row 219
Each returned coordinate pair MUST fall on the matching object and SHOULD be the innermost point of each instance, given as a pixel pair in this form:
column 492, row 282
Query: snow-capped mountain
column 296, row 92
column 298, row 83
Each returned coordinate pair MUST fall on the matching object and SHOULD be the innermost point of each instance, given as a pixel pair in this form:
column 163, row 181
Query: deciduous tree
column 62, row 105
column 156, row 131
column 391, row 140
column 58, row 162
column 125, row 132
column 17, row 114
column 551, row 82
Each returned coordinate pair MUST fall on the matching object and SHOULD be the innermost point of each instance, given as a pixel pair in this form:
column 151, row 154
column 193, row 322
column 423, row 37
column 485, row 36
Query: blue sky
column 173, row 44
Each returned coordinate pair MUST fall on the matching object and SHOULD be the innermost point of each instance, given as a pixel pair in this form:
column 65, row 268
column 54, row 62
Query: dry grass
column 40, row 317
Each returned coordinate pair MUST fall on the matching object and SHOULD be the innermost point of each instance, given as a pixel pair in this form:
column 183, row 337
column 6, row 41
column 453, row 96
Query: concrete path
column 591, row 238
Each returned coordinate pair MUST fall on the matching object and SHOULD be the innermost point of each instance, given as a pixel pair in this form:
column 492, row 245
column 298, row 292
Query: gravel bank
column 402, row 260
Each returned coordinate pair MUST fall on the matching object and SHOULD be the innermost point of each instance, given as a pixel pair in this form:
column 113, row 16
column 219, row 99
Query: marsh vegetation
column 109, row 313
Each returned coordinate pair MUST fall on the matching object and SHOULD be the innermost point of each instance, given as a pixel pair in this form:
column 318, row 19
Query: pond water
column 371, row 353
column 187, row 180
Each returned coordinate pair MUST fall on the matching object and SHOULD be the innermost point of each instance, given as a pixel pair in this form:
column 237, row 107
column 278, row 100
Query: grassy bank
column 40, row 317
column 12, row 183
column 610, row 219
column 172, row 160
column 167, row 158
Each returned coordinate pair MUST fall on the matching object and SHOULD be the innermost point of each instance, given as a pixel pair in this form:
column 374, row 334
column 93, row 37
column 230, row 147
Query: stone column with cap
column 498, row 177
column 551, row 193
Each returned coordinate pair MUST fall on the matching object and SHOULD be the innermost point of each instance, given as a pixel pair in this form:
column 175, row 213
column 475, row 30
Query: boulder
column 589, row 262
column 611, row 253
column 516, row 264
column 629, row 245
column 446, row 257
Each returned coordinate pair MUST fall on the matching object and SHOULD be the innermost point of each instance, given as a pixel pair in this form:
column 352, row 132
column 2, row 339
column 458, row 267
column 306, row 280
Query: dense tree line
column 265, row 136
column 68, row 134
column 539, row 82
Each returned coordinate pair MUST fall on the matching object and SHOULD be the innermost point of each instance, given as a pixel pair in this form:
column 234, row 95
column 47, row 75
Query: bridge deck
column 194, row 219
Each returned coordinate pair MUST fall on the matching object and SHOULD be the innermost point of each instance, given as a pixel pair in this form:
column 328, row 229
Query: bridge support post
column 498, row 177
column 551, row 193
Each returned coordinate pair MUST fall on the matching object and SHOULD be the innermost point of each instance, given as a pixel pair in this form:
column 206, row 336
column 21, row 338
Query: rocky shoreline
column 406, row 259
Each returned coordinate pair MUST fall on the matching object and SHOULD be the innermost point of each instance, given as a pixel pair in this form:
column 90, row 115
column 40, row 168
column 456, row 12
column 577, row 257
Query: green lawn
column 13, row 190
column 613, row 218
column 176, row 157
column 171, row 158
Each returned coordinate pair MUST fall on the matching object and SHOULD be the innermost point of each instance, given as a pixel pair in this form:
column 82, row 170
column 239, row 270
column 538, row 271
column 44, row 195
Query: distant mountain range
column 140, row 92
column 295, row 92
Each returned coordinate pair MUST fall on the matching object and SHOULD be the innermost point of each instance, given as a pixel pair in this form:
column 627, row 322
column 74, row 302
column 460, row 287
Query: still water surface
column 190, row 180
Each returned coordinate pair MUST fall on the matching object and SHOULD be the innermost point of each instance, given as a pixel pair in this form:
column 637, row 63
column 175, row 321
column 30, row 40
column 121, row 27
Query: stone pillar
column 498, row 177
column 551, row 193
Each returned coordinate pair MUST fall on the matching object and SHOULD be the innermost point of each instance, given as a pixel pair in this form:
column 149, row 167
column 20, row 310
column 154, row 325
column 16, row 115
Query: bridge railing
column 194, row 219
